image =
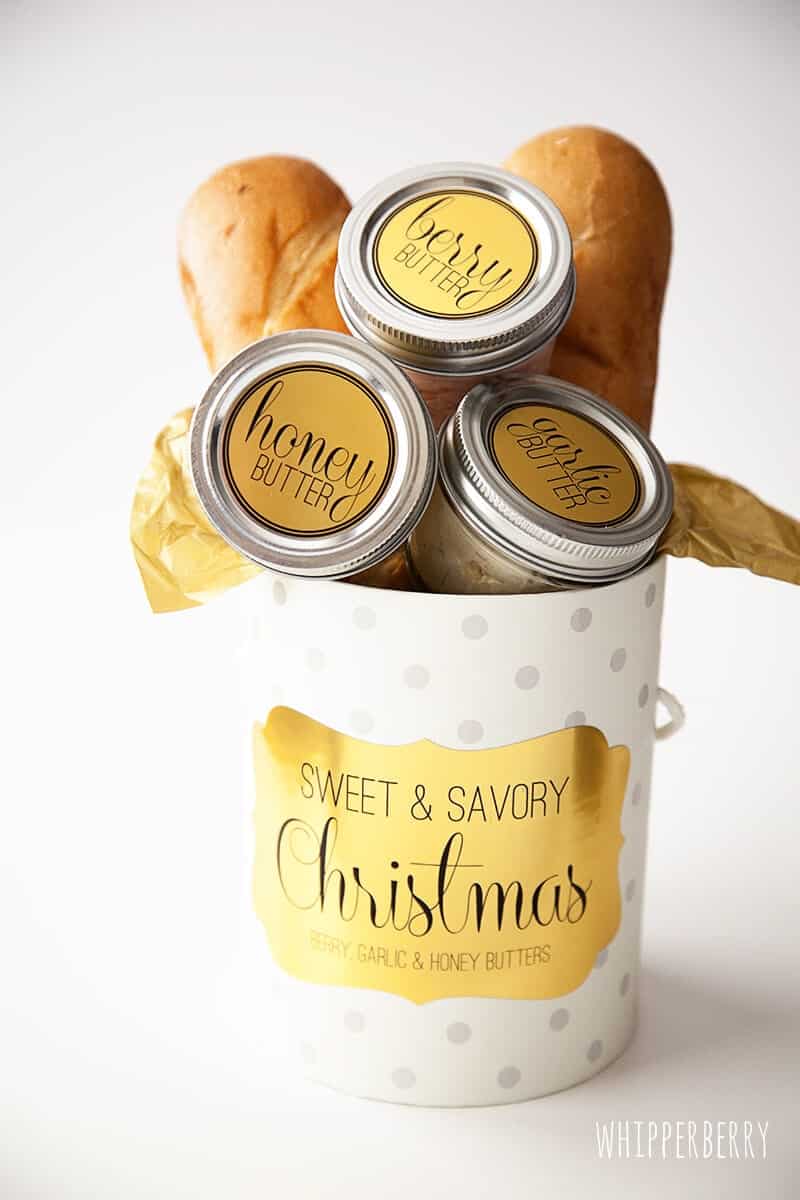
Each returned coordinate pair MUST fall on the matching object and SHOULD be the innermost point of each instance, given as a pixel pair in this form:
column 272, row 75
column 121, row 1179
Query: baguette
column 257, row 251
column 618, row 214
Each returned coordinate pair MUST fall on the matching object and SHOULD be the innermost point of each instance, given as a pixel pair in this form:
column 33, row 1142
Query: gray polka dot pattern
column 474, row 627
column 361, row 721
column 650, row 595
column 416, row 676
column 402, row 1077
column 470, row 732
column 466, row 673
column 364, row 618
column 526, row 678
column 581, row 619
column 644, row 695
column 354, row 1021
column 509, row 1077
column 279, row 592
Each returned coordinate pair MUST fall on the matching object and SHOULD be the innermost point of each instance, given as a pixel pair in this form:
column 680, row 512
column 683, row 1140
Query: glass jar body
column 393, row 572
column 450, row 557
column 443, row 393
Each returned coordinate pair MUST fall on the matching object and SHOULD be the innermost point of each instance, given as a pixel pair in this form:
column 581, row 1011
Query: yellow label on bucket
column 308, row 449
column 456, row 253
column 565, row 463
column 430, row 872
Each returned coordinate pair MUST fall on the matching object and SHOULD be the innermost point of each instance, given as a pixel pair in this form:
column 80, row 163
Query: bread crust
column 618, row 214
column 257, row 252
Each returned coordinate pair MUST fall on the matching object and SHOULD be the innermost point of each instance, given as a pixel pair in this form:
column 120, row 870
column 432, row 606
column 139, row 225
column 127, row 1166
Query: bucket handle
column 676, row 713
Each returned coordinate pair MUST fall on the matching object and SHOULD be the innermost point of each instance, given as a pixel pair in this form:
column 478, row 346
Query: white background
column 138, row 1055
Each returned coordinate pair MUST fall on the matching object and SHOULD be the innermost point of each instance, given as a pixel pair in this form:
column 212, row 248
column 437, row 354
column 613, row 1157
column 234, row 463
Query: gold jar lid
column 313, row 454
column 455, row 269
column 556, row 479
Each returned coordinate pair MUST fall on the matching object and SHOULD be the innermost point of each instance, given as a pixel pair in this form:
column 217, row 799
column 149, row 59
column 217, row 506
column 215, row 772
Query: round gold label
column 565, row 463
column 456, row 254
column 308, row 450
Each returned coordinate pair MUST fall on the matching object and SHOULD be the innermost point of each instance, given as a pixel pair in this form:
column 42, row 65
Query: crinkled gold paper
column 722, row 524
column 184, row 562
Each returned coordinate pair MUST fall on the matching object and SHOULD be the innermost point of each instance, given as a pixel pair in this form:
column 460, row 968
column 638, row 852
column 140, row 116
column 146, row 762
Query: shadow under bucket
column 451, row 819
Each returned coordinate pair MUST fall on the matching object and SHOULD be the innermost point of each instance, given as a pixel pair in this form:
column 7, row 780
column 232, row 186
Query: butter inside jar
column 314, row 455
column 541, row 486
column 457, row 272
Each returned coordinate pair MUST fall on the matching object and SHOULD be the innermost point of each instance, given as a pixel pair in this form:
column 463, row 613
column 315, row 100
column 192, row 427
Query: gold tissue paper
column 183, row 561
column 722, row 524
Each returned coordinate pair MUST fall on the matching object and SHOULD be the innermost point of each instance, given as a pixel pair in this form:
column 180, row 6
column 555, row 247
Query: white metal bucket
column 468, row 672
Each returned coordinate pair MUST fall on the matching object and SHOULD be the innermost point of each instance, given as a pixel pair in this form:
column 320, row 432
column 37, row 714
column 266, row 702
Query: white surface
column 139, row 1058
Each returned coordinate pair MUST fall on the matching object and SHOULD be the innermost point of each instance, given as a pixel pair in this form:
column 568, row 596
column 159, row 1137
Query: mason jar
column 314, row 455
column 458, row 272
column 542, row 486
